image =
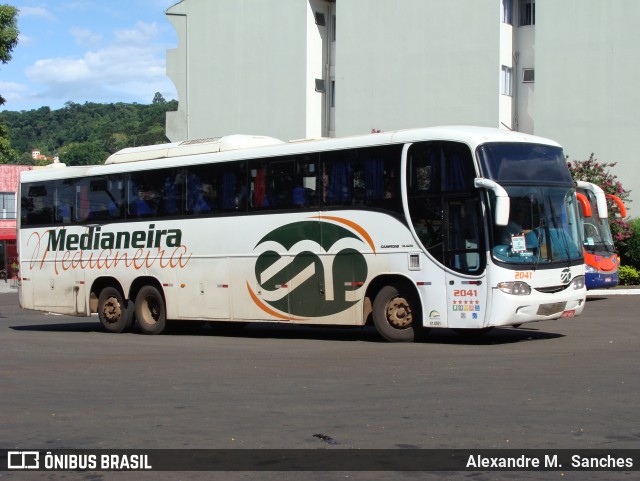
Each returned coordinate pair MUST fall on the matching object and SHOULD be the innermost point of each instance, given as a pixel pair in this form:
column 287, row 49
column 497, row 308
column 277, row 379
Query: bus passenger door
column 464, row 256
column 466, row 301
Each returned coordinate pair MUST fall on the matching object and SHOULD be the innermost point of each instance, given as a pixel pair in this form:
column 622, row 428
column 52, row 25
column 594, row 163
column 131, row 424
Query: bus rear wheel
column 150, row 310
column 113, row 311
column 395, row 315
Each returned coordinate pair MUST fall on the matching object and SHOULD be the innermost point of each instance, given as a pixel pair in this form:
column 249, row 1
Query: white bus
column 405, row 230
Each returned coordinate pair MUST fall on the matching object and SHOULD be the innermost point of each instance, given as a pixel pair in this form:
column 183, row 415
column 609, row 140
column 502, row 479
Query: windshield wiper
column 539, row 239
column 560, row 232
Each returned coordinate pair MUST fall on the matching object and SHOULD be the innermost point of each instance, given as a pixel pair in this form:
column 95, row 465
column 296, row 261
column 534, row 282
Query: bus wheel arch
column 114, row 310
column 150, row 307
column 396, row 309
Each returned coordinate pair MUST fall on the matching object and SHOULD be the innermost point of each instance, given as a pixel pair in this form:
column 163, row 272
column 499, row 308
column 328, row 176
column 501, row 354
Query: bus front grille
column 551, row 289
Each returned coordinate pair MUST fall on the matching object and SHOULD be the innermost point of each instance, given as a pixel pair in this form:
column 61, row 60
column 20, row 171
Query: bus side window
column 283, row 182
column 64, row 201
column 102, row 204
column 308, row 178
column 37, row 205
column 363, row 177
column 374, row 178
column 116, row 201
column 382, row 185
column 232, row 189
column 169, row 195
column 63, row 213
column 138, row 198
column 196, row 202
column 338, row 179
column 258, row 186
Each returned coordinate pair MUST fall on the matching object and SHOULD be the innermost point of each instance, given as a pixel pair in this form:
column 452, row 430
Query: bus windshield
column 543, row 227
column 597, row 234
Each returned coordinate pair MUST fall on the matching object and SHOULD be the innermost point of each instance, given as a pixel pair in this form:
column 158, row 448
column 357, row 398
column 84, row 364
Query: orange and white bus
column 600, row 255
column 405, row 230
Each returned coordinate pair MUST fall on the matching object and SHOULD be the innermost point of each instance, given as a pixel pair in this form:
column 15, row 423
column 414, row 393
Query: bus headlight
column 515, row 288
column 590, row 270
column 577, row 283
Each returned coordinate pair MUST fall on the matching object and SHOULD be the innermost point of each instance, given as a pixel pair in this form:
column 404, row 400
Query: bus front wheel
column 114, row 311
column 150, row 310
column 395, row 315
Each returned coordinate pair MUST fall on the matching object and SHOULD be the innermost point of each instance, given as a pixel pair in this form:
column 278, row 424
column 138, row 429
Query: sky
column 88, row 51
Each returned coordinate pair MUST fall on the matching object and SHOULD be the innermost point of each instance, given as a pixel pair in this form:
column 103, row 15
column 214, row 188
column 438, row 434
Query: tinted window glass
column 440, row 167
column 520, row 162
column 367, row 177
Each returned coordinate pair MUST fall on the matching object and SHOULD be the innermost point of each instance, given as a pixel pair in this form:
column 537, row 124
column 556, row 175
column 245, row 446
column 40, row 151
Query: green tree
column 26, row 159
column 598, row 173
column 112, row 126
column 8, row 34
column 7, row 154
column 8, row 41
column 632, row 247
column 158, row 99
column 86, row 153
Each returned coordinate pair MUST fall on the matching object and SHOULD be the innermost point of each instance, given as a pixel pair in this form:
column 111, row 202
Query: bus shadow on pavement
column 596, row 298
column 498, row 335
column 504, row 335
column 83, row 326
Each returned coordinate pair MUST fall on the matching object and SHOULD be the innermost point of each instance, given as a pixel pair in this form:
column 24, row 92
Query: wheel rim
column 399, row 314
column 152, row 314
column 112, row 310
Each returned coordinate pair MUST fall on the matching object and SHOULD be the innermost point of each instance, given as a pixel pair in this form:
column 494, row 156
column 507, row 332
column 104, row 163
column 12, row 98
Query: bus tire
column 395, row 315
column 114, row 312
column 150, row 311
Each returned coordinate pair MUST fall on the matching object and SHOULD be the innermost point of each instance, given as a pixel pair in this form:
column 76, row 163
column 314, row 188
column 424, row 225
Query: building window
column 528, row 75
column 320, row 87
column 333, row 93
column 320, row 20
column 333, row 28
column 506, row 12
column 7, row 205
column 527, row 12
column 505, row 81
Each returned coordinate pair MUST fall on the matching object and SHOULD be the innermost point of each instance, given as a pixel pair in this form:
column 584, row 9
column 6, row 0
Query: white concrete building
column 310, row 68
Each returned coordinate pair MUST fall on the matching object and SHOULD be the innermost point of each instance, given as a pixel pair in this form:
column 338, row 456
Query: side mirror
column 502, row 199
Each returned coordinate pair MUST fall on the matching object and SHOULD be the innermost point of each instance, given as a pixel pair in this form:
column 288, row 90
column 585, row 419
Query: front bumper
column 601, row 280
column 509, row 309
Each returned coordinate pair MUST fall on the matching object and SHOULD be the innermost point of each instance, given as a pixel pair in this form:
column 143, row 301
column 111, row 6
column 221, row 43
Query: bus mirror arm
column 601, row 200
column 619, row 203
column 502, row 198
column 584, row 204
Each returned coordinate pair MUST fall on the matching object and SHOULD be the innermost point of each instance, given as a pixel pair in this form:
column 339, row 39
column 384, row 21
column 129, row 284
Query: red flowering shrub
column 598, row 173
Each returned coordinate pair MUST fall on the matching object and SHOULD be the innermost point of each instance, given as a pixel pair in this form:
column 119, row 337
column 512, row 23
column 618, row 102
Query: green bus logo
column 322, row 276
